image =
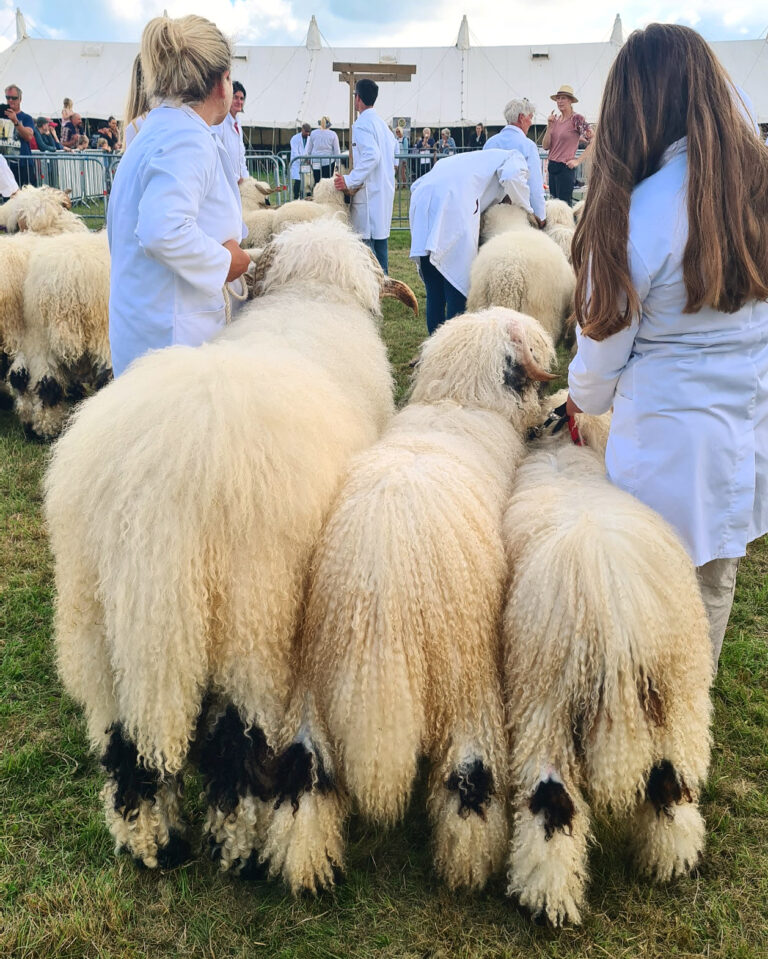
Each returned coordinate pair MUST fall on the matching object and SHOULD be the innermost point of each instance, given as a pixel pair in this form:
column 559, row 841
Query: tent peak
column 462, row 41
column 313, row 35
column 21, row 26
column 617, row 34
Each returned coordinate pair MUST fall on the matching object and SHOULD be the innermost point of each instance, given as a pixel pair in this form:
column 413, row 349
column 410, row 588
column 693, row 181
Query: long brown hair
column 666, row 84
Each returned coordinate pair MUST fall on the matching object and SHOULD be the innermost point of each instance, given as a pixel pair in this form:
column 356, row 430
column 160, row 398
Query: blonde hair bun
column 183, row 59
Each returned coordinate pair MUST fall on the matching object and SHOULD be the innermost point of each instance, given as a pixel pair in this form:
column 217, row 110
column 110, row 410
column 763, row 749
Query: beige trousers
column 717, row 582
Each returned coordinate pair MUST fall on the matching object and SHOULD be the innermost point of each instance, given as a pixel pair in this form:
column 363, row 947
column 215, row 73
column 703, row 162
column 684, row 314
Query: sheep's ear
column 400, row 291
column 524, row 354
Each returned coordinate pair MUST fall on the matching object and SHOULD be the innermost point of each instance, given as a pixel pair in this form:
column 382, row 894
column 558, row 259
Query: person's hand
column 551, row 118
column 572, row 164
column 542, row 223
column 570, row 407
column 10, row 115
column 339, row 182
column 240, row 260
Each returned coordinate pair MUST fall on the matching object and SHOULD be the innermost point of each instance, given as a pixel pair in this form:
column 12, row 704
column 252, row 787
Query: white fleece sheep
column 523, row 269
column 62, row 350
column 183, row 503
column 608, row 668
column 400, row 643
column 43, row 210
column 501, row 218
column 268, row 221
column 14, row 259
column 578, row 210
column 559, row 213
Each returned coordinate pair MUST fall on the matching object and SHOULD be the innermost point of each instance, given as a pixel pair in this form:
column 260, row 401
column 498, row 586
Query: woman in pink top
column 564, row 133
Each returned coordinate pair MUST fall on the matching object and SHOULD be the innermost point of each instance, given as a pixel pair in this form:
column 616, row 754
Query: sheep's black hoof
column 473, row 781
column 19, row 379
column 50, row 392
column 665, row 789
column 252, row 870
column 6, row 401
column 133, row 782
column 176, row 852
column 552, row 799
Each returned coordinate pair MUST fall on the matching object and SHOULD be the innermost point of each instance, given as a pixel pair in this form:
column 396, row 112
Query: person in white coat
column 174, row 219
column 8, row 184
column 371, row 182
column 446, row 206
column 230, row 133
column 519, row 116
column 323, row 143
column 298, row 150
column 672, row 282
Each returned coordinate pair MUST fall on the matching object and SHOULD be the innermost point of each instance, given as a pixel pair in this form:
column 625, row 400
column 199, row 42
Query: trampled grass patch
column 63, row 892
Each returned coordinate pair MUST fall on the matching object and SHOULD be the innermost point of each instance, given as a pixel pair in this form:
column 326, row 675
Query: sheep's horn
column 400, row 291
column 525, row 358
column 263, row 191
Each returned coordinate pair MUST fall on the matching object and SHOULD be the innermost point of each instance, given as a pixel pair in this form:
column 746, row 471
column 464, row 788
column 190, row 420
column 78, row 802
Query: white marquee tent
column 453, row 86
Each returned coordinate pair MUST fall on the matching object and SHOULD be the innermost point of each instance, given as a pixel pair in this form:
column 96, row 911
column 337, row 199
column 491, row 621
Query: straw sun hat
column 565, row 91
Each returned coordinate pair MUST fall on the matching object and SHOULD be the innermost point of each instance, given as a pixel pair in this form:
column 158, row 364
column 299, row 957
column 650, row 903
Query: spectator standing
column 71, row 132
column 671, row 258
column 372, row 179
column 323, row 142
column 231, row 134
column 425, row 148
column 111, row 134
column 67, row 111
column 564, row 134
column 446, row 206
column 401, row 150
column 446, row 145
column 298, row 149
column 174, row 221
column 519, row 116
column 478, row 138
column 46, row 142
column 24, row 132
column 137, row 106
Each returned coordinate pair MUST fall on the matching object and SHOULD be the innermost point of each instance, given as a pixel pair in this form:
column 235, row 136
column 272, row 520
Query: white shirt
column 323, row 143
column 513, row 138
column 131, row 130
column 447, row 203
column 8, row 184
column 689, row 435
column 231, row 133
column 298, row 149
column 373, row 154
column 171, row 208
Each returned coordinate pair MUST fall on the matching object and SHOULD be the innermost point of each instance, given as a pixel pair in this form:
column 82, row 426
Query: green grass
column 63, row 893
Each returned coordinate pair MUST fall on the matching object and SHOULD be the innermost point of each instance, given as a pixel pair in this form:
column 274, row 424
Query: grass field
column 63, row 893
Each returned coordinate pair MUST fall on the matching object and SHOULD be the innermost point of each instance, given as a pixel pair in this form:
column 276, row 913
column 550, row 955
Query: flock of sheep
column 265, row 572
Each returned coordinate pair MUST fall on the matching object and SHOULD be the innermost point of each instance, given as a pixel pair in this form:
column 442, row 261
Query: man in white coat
column 230, row 132
column 519, row 116
column 8, row 184
column 372, row 179
column 446, row 206
column 298, row 150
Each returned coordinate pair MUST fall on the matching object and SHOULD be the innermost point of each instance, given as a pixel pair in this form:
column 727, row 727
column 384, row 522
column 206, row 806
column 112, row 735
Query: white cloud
column 238, row 19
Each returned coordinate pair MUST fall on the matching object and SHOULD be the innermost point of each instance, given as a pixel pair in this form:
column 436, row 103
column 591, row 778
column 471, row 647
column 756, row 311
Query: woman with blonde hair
column 671, row 256
column 174, row 220
column 323, row 142
column 137, row 106
column 67, row 110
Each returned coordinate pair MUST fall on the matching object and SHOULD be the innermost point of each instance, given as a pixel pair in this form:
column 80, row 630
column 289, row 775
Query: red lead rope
column 574, row 431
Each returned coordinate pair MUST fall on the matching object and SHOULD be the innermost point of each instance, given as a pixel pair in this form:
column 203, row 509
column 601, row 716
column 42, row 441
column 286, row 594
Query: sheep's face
column 496, row 359
column 255, row 192
column 326, row 252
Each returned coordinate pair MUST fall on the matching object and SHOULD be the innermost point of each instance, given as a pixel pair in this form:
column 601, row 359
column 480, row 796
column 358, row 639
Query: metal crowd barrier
column 85, row 174
column 271, row 168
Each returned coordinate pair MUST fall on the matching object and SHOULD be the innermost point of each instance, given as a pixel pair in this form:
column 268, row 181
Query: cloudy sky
column 386, row 24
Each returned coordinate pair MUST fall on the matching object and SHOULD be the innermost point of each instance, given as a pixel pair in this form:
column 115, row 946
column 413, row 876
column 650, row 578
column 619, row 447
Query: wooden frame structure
column 379, row 72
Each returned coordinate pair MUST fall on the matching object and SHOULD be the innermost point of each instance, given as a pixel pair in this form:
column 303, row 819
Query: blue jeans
column 443, row 299
column 380, row 251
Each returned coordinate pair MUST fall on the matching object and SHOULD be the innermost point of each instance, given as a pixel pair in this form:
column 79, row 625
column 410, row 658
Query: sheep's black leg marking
column 75, row 392
column 473, row 781
column 6, row 401
column 299, row 770
column 133, row 782
column 50, row 392
column 5, row 364
column 102, row 379
column 665, row 789
column 553, row 800
column 19, row 379
column 235, row 763
column 175, row 852
column 253, row 870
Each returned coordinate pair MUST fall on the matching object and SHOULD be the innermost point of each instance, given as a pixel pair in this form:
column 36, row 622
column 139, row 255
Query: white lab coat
column 689, row 435
column 298, row 149
column 513, row 138
column 129, row 134
column 230, row 132
column 373, row 154
column 323, row 143
column 171, row 207
column 8, row 184
column 447, row 203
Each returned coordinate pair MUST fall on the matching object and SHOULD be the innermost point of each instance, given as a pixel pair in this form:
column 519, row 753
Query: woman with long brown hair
column 671, row 257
